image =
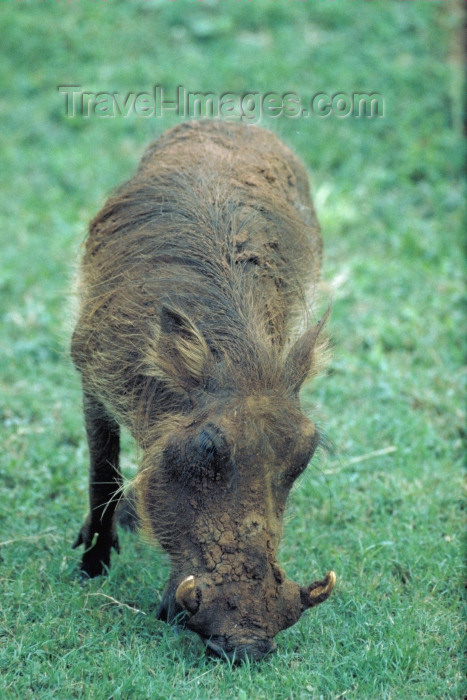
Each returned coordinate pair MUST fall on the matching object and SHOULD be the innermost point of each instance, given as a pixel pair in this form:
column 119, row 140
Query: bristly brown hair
column 195, row 274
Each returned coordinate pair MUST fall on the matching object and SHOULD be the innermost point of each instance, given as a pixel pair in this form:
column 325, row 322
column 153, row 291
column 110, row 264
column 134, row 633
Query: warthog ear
column 300, row 360
column 184, row 354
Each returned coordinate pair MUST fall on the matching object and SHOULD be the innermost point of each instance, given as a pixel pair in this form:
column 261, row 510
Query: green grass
column 389, row 194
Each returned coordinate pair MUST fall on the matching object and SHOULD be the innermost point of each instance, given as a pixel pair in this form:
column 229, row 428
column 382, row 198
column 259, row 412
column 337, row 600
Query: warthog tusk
column 318, row 591
column 188, row 595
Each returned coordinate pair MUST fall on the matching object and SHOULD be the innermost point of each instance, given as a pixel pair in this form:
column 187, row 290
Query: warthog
column 193, row 278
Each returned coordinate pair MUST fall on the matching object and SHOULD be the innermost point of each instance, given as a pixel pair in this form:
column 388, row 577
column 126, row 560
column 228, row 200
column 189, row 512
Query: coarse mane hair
column 201, row 260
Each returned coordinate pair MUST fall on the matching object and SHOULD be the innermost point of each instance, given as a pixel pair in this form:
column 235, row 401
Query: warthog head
column 213, row 490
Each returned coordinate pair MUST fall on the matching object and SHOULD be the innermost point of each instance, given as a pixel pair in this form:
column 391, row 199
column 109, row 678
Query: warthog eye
column 205, row 444
column 302, row 458
column 210, row 450
column 205, row 455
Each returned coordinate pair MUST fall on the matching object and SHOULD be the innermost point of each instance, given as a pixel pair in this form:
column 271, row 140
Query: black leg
column 99, row 533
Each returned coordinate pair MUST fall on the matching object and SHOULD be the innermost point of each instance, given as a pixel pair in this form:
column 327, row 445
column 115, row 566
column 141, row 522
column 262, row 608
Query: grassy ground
column 385, row 511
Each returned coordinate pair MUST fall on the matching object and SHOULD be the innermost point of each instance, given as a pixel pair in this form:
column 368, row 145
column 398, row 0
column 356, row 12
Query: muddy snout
column 238, row 621
column 238, row 649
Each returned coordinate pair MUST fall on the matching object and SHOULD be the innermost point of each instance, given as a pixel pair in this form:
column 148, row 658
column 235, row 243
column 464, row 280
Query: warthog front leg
column 98, row 534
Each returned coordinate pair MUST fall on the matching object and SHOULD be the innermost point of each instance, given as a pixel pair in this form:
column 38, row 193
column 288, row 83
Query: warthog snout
column 239, row 649
column 238, row 621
